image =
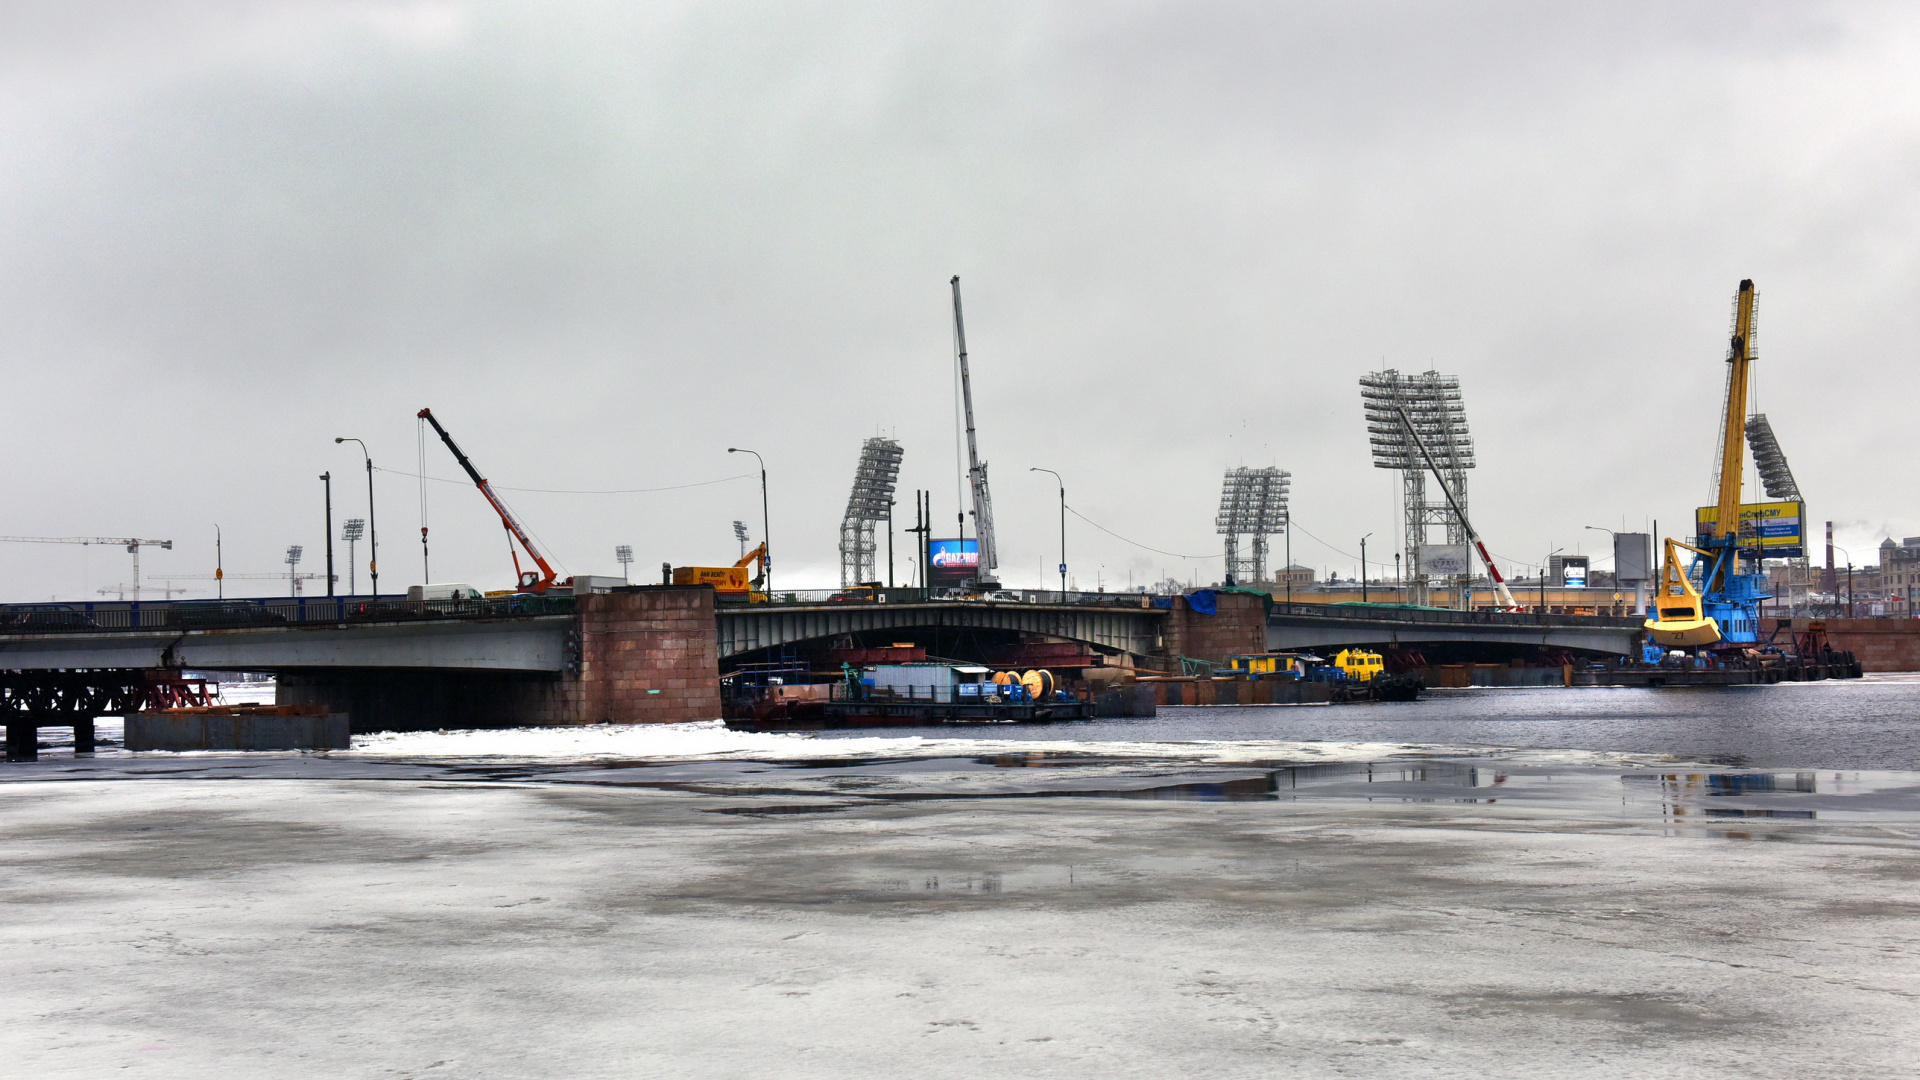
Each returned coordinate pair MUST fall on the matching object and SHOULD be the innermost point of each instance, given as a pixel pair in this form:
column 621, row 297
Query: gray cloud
column 604, row 244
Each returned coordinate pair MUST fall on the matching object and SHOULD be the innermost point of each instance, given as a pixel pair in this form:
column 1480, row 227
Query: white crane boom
column 976, row 469
column 1507, row 602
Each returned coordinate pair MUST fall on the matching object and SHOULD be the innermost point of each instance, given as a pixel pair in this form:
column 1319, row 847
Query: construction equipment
column 1678, row 606
column 730, row 583
column 976, row 469
column 1507, row 602
column 169, row 579
column 1728, row 608
column 533, row 581
column 132, row 545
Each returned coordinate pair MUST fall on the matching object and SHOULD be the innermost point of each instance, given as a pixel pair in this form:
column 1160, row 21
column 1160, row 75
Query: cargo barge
column 913, row 694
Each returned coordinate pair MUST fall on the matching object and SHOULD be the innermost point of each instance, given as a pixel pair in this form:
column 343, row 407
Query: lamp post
column 1543, row 578
column 1363, row 568
column 219, row 567
column 766, row 536
column 373, row 532
column 1063, row 529
column 326, row 478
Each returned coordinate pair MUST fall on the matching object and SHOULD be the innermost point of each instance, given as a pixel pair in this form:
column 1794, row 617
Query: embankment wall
column 1879, row 644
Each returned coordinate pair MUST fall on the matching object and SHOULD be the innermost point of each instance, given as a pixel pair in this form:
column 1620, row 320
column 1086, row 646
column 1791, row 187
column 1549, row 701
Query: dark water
column 1871, row 723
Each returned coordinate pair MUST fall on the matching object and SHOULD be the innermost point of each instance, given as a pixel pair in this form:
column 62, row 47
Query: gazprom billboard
column 952, row 562
column 1777, row 529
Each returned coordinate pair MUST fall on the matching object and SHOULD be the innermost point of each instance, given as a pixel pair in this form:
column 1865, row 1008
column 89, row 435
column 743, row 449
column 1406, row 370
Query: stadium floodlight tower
column 1777, row 477
column 1432, row 402
column 1253, row 504
column 870, row 502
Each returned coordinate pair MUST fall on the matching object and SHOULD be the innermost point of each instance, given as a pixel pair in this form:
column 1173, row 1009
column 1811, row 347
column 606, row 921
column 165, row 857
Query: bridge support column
column 649, row 655
column 1237, row 626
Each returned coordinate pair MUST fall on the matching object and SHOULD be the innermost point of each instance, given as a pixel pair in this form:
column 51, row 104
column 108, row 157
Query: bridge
column 1293, row 627
column 651, row 653
column 1114, row 626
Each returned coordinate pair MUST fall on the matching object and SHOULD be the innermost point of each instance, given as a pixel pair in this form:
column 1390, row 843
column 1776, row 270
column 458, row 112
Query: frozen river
column 1501, row 884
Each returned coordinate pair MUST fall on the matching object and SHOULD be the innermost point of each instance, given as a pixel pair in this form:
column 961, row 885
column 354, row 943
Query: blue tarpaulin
column 1202, row 601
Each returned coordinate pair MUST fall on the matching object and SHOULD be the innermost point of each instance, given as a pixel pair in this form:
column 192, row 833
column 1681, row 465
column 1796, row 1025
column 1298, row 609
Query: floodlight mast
column 527, row 579
column 1253, row 503
column 1493, row 572
column 976, row 469
column 871, row 501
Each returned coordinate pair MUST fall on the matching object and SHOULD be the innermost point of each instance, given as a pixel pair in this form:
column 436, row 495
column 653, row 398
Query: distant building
column 1899, row 574
column 1295, row 575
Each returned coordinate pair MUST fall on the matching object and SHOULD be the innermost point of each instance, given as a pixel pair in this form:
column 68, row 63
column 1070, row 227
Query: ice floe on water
column 712, row 740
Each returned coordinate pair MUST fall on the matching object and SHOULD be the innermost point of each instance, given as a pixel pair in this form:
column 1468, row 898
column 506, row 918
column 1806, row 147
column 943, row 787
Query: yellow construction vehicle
column 730, row 583
column 1680, row 618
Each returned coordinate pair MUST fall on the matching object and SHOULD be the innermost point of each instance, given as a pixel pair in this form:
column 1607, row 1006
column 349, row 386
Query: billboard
column 952, row 562
column 1445, row 560
column 1573, row 571
column 1776, row 529
column 1632, row 557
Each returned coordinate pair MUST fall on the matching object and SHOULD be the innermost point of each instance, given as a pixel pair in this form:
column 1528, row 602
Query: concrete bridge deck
column 1331, row 626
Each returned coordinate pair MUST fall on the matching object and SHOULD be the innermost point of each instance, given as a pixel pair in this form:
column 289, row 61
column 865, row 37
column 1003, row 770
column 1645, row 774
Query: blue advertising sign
column 952, row 562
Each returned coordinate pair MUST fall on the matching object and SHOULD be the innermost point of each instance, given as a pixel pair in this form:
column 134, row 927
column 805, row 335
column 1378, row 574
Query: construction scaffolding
column 870, row 502
column 1431, row 403
column 1253, row 504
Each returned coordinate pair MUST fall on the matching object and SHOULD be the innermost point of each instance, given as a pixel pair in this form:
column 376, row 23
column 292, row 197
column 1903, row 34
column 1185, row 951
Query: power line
column 563, row 491
column 1135, row 543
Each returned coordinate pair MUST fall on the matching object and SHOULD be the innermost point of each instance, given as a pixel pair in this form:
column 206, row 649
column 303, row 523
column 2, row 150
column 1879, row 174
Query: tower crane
column 1725, row 606
column 132, row 544
column 528, row 580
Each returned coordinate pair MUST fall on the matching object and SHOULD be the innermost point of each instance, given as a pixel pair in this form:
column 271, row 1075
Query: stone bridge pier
column 638, row 655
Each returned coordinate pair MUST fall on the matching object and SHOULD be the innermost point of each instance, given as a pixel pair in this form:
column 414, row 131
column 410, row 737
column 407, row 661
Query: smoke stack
column 1830, row 583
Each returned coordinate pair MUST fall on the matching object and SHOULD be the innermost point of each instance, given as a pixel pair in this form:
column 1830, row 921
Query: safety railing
column 188, row 615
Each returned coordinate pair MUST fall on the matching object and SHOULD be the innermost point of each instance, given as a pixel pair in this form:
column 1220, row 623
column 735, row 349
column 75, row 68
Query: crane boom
column 527, row 579
column 1733, row 443
column 976, row 469
column 1493, row 572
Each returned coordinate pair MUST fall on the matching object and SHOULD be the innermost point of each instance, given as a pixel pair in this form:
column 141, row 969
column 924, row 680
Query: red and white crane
column 1507, row 602
column 527, row 580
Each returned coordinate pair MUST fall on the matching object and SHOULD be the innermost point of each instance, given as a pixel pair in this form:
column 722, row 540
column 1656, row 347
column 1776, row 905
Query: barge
column 913, row 694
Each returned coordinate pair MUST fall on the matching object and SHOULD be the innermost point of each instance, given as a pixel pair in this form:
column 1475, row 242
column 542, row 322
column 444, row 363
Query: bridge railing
column 1393, row 613
column 24, row 619
column 922, row 596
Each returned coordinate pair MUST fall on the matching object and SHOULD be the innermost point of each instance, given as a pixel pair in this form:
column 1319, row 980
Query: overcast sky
column 605, row 242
